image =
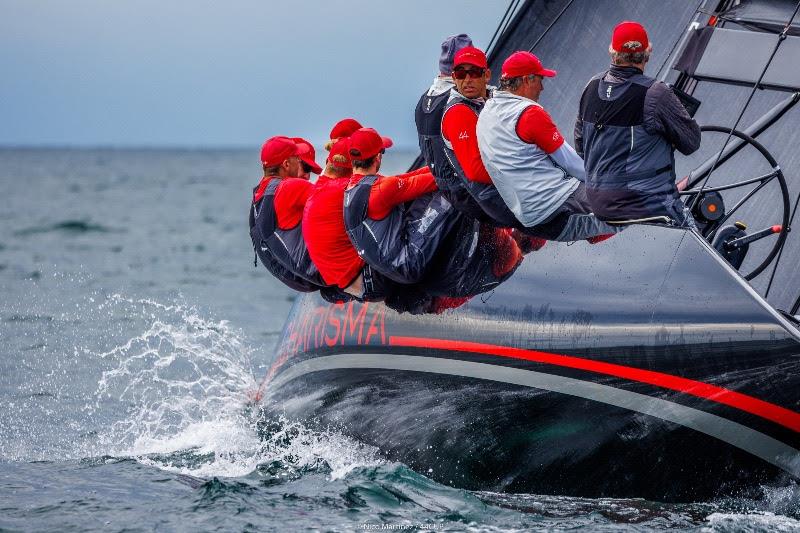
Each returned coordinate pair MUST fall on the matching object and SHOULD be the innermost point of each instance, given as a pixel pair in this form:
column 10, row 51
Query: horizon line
column 153, row 147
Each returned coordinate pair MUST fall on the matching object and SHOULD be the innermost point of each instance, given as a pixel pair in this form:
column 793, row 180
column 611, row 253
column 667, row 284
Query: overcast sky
column 203, row 73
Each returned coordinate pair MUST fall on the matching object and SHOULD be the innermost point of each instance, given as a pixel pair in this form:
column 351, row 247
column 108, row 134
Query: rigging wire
column 781, row 38
column 780, row 252
column 514, row 9
column 546, row 30
column 497, row 29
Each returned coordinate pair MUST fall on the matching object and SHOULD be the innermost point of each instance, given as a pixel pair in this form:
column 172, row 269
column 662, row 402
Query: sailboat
column 662, row 363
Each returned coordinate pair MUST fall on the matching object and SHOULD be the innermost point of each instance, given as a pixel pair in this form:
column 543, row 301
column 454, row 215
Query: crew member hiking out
column 462, row 159
column 323, row 222
column 428, row 118
column 327, row 240
column 537, row 173
column 276, row 212
column 627, row 130
column 410, row 234
column 395, row 222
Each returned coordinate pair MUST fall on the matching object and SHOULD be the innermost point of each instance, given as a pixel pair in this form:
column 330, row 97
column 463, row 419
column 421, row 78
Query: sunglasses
column 475, row 72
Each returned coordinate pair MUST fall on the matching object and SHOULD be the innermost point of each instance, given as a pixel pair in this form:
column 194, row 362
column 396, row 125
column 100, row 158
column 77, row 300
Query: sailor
column 276, row 212
column 462, row 162
column 424, row 244
column 323, row 223
column 428, row 114
column 395, row 222
column 537, row 173
column 627, row 129
column 428, row 117
column 326, row 237
column 328, row 243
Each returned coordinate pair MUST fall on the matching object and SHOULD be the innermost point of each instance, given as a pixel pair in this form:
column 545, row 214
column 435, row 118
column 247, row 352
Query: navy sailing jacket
column 282, row 252
column 401, row 245
column 627, row 129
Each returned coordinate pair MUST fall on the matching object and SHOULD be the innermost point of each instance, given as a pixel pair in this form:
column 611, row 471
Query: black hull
column 669, row 393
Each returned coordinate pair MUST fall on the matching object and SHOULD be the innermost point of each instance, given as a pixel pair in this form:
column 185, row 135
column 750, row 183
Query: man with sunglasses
column 537, row 173
column 428, row 118
column 462, row 162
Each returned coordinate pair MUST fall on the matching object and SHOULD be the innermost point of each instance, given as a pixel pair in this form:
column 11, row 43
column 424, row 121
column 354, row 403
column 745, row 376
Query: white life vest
column 529, row 181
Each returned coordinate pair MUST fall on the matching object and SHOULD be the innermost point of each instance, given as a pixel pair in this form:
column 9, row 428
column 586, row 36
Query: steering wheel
column 710, row 211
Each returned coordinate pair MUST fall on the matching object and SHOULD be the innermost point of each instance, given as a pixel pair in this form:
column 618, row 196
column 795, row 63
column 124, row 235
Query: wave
column 185, row 382
column 72, row 227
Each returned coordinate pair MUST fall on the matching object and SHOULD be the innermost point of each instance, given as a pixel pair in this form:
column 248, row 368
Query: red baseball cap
column 470, row 55
column 629, row 37
column 366, row 142
column 524, row 64
column 278, row 149
column 345, row 128
column 309, row 157
column 340, row 153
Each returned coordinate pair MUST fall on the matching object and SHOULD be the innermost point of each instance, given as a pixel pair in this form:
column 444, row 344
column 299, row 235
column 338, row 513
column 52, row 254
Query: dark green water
column 133, row 324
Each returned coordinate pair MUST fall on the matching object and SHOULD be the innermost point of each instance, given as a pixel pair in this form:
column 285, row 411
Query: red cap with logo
column 629, row 37
column 345, row 128
column 278, row 149
column 524, row 64
column 309, row 157
column 470, row 55
column 340, row 153
column 366, row 143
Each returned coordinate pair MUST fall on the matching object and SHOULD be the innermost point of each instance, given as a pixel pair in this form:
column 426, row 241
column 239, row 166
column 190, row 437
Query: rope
column 781, row 38
column 514, row 9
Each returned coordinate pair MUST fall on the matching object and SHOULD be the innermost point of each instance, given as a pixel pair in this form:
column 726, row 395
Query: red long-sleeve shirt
column 290, row 199
column 535, row 126
column 459, row 125
column 390, row 191
column 326, row 237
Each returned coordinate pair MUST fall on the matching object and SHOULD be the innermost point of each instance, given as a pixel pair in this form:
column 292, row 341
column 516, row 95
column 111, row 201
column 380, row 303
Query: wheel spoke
column 730, row 213
column 766, row 178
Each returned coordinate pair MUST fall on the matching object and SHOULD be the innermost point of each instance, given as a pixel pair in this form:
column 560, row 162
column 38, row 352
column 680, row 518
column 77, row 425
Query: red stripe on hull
column 774, row 413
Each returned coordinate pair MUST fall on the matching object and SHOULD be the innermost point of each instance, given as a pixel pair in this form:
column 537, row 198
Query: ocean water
column 132, row 327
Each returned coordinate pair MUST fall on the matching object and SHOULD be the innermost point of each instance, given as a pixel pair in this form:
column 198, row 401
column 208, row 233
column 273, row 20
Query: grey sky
column 202, row 73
